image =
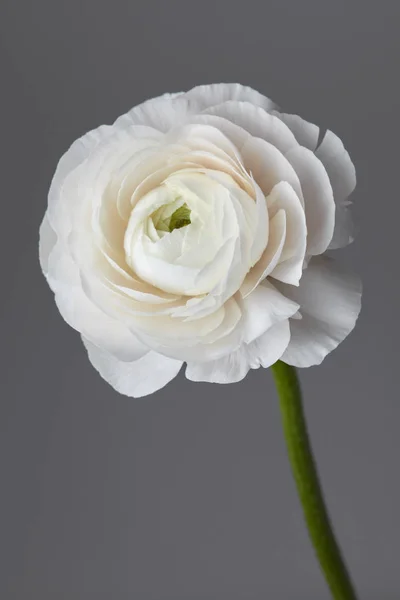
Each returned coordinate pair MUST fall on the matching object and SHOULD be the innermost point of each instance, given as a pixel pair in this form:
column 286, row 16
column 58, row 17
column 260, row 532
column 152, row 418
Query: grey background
column 187, row 494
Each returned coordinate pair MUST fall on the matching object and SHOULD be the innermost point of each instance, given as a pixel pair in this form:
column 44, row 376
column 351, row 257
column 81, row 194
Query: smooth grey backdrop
column 187, row 495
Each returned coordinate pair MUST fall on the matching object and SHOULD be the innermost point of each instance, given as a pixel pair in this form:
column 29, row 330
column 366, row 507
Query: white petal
column 261, row 234
column 59, row 209
column 290, row 265
column 264, row 351
column 139, row 378
column 270, row 257
column 243, row 322
column 237, row 135
column 264, row 307
column 319, row 204
column 330, row 301
column 268, row 165
column 343, row 233
column 203, row 346
column 203, row 96
column 88, row 319
column 198, row 136
column 161, row 330
column 270, row 346
column 84, row 172
column 229, row 369
column 338, row 165
column 162, row 113
column 83, row 315
column 342, row 175
column 74, row 156
column 47, row 241
column 306, row 133
column 169, row 110
column 256, row 121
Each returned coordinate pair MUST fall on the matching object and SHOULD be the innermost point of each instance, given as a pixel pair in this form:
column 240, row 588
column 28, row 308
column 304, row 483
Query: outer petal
column 263, row 351
column 269, row 347
column 85, row 317
column 263, row 308
column 203, row 96
column 270, row 257
column 343, row 234
column 306, row 133
column 319, row 203
column 162, row 113
column 256, row 121
column 139, row 378
column 47, row 241
column 76, row 308
column 342, row 175
column 85, row 169
column 338, row 165
column 169, row 110
column 236, row 134
column 73, row 157
column 208, row 338
column 268, row 166
column 330, row 301
column 290, row 266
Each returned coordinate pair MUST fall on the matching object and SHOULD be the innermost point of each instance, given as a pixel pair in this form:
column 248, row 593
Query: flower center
column 180, row 218
column 181, row 235
column 166, row 221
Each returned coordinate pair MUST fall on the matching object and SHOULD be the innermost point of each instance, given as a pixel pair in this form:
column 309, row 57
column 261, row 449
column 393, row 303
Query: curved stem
column 308, row 486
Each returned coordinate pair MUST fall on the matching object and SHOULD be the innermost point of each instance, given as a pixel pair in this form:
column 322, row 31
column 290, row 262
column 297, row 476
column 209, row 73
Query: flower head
column 193, row 230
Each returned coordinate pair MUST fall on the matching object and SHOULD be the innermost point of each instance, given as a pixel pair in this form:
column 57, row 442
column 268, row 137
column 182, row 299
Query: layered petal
column 289, row 267
column 263, row 308
column 204, row 96
column 319, row 204
column 75, row 306
column 235, row 133
column 306, row 133
column 338, row 165
column 269, row 166
column 330, row 301
column 137, row 378
column 202, row 339
column 257, row 122
column 162, row 113
column 342, row 176
column 271, row 255
column 47, row 241
column 195, row 259
column 169, row 110
column 264, row 351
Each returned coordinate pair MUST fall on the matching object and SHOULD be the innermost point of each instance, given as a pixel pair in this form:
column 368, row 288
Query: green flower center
column 167, row 219
column 179, row 218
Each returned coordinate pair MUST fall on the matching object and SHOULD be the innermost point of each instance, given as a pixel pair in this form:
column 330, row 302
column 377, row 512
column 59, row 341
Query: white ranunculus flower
column 193, row 230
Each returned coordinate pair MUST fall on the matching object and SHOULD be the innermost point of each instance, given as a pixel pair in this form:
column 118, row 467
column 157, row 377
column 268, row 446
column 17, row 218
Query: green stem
column 308, row 486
